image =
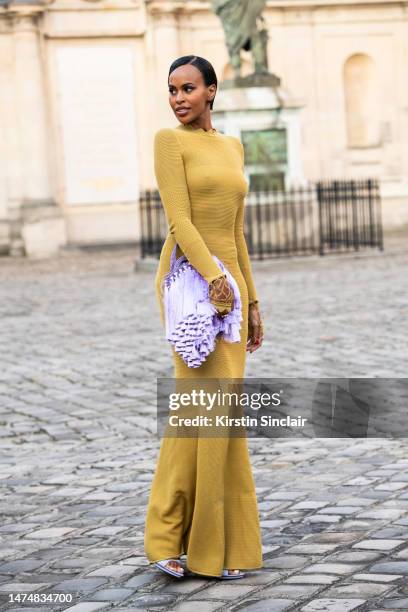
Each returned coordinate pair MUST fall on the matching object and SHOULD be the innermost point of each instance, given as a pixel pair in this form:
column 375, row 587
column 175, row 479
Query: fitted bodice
column 202, row 186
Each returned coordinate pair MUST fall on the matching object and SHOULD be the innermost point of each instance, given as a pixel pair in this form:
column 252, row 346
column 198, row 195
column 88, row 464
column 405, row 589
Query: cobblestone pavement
column 82, row 347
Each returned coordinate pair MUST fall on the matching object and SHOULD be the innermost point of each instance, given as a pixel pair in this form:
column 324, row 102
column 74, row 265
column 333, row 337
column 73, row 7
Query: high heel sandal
column 169, row 570
column 227, row 576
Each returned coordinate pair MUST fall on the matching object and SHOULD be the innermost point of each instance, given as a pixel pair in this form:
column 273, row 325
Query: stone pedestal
column 42, row 229
column 261, row 113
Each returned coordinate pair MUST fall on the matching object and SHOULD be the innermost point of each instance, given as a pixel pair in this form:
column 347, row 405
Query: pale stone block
column 44, row 238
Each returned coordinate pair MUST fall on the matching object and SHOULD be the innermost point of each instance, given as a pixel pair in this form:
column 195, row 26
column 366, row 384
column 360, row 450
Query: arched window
column 362, row 101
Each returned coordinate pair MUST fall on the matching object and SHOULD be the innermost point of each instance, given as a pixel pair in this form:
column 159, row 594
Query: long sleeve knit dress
column 202, row 501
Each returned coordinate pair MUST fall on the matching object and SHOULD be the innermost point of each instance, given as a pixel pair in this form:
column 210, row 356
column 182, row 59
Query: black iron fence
column 320, row 217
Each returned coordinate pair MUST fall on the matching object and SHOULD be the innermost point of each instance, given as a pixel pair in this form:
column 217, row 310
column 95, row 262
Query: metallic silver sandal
column 168, row 570
column 227, row 576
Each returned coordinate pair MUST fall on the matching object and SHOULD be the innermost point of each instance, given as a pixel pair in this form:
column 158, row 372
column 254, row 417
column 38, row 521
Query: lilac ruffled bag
column 192, row 322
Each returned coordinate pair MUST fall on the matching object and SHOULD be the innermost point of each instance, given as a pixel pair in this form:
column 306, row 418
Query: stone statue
column 244, row 28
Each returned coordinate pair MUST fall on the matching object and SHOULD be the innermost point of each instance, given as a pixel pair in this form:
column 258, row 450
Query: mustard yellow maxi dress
column 202, row 501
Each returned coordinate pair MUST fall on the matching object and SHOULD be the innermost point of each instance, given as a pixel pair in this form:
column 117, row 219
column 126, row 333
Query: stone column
column 39, row 229
column 162, row 48
column 10, row 150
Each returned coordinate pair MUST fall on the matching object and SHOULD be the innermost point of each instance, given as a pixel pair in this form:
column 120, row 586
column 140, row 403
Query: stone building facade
column 84, row 87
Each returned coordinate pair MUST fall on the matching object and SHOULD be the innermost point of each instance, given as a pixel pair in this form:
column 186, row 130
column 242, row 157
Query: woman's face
column 188, row 92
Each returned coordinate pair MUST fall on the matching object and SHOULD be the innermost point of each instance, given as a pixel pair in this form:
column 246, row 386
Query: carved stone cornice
column 24, row 14
column 175, row 7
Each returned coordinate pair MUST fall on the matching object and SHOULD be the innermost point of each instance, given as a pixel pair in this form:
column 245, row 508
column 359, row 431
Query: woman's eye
column 186, row 88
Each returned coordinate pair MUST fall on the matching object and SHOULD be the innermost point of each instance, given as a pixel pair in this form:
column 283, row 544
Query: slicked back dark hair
column 203, row 65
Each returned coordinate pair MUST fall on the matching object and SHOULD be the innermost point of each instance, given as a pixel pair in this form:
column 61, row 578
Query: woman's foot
column 171, row 566
column 230, row 574
column 175, row 565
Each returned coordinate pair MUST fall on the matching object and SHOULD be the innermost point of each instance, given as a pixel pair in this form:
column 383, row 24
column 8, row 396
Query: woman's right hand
column 221, row 295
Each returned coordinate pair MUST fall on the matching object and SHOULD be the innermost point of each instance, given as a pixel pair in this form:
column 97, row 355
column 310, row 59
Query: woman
column 202, row 501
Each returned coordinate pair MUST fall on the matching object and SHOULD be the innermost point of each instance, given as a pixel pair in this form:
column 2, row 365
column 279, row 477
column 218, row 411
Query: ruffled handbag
column 192, row 321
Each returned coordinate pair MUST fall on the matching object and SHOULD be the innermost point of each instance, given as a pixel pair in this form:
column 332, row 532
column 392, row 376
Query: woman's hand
column 221, row 295
column 255, row 328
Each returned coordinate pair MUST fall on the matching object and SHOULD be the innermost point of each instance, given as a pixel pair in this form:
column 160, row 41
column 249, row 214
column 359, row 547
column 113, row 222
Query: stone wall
column 83, row 88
